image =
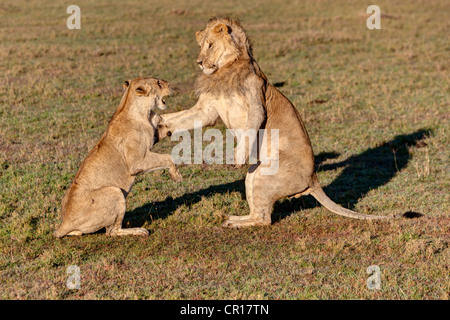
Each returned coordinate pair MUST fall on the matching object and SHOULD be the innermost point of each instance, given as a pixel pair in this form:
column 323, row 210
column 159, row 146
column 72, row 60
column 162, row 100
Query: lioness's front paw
column 163, row 131
column 130, row 231
column 175, row 174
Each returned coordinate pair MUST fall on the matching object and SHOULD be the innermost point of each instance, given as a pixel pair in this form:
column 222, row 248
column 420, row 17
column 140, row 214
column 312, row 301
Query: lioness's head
column 221, row 43
column 148, row 92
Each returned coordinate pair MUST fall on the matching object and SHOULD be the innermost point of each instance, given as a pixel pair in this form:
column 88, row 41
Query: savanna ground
column 375, row 103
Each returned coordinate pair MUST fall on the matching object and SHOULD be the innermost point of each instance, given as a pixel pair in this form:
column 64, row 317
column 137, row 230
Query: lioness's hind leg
column 93, row 211
column 106, row 207
column 118, row 212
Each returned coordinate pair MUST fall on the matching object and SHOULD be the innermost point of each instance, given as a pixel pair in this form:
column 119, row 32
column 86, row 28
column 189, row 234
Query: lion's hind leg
column 260, row 202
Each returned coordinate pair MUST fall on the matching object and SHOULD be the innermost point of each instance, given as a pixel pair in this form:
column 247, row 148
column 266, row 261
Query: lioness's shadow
column 364, row 172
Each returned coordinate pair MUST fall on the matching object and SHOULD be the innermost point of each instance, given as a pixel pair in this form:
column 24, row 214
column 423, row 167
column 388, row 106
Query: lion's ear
column 222, row 28
column 199, row 35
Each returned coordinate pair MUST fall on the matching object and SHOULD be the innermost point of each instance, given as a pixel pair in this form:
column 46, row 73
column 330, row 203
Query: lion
column 96, row 198
column 232, row 87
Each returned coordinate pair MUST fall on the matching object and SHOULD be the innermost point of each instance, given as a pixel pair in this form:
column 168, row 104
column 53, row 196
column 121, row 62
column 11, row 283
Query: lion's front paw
column 239, row 162
column 243, row 222
column 240, row 159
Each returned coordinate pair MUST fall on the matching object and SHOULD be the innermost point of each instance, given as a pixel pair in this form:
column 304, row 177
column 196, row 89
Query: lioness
column 96, row 197
column 234, row 88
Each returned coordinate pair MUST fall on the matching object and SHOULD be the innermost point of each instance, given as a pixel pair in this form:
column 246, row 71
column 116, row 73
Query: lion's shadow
column 363, row 172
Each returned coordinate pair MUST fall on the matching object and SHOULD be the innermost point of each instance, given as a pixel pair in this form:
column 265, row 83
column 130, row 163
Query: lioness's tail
column 318, row 193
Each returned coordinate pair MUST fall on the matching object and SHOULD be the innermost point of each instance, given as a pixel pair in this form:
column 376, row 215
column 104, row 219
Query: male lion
column 234, row 88
column 96, row 197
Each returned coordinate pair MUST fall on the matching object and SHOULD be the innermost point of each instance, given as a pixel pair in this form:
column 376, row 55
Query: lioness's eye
column 210, row 45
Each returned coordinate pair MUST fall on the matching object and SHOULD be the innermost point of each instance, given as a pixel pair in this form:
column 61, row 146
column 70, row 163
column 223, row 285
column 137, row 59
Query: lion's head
column 222, row 42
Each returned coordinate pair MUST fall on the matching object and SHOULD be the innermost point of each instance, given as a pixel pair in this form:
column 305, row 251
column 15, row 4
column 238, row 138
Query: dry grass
column 376, row 105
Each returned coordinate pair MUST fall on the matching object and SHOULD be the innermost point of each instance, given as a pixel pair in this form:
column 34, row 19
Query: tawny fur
column 96, row 197
column 234, row 88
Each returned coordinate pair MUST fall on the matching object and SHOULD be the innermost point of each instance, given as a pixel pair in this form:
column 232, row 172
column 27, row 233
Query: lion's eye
column 163, row 101
column 210, row 45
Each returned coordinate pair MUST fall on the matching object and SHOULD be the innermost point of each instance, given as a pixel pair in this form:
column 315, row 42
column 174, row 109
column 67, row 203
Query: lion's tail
column 318, row 193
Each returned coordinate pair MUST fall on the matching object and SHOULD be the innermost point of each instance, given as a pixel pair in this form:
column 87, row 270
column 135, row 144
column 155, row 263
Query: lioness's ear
column 126, row 84
column 222, row 28
column 140, row 91
column 199, row 35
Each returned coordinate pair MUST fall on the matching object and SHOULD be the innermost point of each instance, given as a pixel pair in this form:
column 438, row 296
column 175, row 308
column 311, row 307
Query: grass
column 375, row 103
